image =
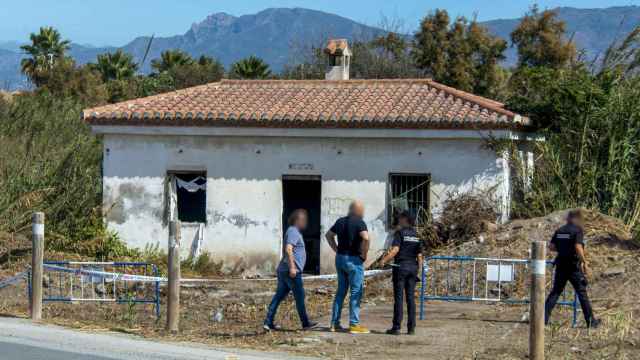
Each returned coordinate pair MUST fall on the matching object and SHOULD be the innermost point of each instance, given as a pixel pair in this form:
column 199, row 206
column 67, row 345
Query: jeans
column 287, row 284
column 404, row 285
column 574, row 275
column 350, row 271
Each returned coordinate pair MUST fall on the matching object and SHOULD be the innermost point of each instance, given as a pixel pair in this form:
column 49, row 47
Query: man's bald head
column 356, row 208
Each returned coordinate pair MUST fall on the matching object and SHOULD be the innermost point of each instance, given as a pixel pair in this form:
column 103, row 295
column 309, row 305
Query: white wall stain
column 244, row 188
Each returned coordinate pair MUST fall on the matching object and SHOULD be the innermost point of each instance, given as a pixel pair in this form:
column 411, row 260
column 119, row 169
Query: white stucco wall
column 244, row 188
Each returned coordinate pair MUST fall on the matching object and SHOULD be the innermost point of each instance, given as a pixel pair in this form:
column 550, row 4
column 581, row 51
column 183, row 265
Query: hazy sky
column 115, row 22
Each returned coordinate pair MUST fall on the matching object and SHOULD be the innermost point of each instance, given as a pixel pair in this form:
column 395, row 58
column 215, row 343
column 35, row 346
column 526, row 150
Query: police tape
column 368, row 273
column 143, row 278
column 13, row 280
column 104, row 274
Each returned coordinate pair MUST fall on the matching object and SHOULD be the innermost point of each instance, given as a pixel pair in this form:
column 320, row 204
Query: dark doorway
column 303, row 192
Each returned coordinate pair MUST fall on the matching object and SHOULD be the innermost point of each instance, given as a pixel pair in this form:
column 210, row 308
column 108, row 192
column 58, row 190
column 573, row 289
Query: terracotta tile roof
column 412, row 104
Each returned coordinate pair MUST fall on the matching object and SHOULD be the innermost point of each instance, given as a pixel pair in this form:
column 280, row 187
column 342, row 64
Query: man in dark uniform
column 571, row 266
column 406, row 249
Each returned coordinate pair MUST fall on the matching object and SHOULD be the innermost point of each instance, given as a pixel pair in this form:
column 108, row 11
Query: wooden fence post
column 173, row 298
column 536, row 322
column 37, row 254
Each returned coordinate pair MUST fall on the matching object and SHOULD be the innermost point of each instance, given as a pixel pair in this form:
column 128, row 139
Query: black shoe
column 393, row 332
column 594, row 323
column 411, row 332
column 310, row 325
column 269, row 327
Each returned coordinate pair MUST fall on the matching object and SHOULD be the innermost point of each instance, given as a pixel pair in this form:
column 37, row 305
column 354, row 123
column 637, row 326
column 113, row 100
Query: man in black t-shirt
column 406, row 249
column 351, row 253
column 571, row 266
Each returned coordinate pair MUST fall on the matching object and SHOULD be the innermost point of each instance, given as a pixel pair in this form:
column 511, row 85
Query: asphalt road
column 22, row 340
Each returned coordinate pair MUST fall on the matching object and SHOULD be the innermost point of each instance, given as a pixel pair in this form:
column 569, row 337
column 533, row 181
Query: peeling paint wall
column 244, row 188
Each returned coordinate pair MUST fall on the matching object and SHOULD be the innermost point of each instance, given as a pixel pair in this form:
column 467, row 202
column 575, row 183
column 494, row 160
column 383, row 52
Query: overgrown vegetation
column 591, row 124
column 589, row 117
column 50, row 162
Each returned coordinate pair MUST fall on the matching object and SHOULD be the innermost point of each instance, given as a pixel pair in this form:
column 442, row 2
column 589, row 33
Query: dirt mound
column 603, row 234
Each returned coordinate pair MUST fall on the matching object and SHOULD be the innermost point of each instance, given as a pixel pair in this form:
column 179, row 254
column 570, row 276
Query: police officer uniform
column 405, row 273
column 567, row 268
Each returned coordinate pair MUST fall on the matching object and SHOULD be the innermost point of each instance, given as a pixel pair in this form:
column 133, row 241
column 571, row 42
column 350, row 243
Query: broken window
column 189, row 197
column 409, row 192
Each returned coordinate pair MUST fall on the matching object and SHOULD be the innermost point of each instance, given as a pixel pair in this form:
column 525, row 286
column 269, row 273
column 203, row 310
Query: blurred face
column 302, row 221
column 403, row 222
column 575, row 221
column 357, row 209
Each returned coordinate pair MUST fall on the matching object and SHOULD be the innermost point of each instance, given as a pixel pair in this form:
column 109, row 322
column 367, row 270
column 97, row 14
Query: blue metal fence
column 116, row 282
column 466, row 278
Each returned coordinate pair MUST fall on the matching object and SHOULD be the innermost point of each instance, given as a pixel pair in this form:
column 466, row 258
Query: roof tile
column 405, row 103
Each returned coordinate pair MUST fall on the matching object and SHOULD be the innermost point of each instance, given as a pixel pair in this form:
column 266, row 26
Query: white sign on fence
column 501, row 273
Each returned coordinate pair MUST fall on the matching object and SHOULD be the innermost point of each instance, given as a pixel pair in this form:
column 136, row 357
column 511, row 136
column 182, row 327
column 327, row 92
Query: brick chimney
column 339, row 59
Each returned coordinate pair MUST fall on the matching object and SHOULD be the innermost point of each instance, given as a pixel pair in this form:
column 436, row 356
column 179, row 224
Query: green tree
column 204, row 71
column 490, row 79
column 251, row 68
column 385, row 57
column 46, row 48
column 204, row 60
column 392, row 43
column 170, row 59
column 432, row 43
column 116, row 66
column 461, row 54
column 68, row 80
column 540, row 41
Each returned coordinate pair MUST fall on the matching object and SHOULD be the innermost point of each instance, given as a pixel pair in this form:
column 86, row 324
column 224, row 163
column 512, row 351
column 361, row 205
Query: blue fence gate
column 115, row 282
column 466, row 278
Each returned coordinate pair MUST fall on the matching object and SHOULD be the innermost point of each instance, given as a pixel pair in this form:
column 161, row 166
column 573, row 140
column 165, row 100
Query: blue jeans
column 350, row 271
column 287, row 284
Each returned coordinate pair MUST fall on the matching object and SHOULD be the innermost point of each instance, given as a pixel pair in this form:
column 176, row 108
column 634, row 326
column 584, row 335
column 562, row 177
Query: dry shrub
column 464, row 216
column 430, row 237
column 203, row 265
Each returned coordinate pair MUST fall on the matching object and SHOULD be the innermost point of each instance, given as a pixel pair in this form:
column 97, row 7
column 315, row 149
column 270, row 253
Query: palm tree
column 116, row 66
column 45, row 50
column 251, row 68
column 204, row 60
column 170, row 59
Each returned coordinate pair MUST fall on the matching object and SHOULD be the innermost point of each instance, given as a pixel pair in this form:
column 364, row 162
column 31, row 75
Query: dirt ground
column 450, row 331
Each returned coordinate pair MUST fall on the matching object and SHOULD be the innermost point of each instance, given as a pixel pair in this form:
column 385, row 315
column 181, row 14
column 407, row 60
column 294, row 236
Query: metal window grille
column 409, row 192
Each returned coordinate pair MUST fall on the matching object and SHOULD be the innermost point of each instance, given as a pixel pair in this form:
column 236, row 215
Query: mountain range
column 279, row 34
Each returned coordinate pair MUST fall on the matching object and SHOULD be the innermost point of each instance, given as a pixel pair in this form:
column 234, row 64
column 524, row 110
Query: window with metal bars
column 408, row 192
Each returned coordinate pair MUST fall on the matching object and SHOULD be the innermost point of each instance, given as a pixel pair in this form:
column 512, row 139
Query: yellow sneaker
column 358, row 329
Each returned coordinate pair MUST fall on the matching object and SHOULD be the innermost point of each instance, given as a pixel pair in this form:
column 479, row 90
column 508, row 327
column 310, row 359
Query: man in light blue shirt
column 290, row 271
column 293, row 237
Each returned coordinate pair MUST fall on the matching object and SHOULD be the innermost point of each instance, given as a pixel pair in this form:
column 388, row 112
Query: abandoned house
column 232, row 159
